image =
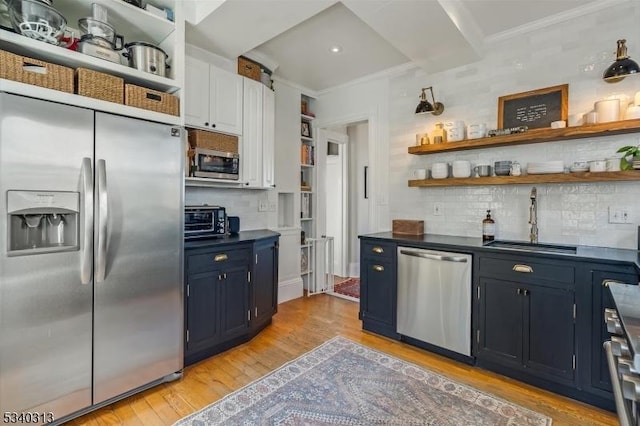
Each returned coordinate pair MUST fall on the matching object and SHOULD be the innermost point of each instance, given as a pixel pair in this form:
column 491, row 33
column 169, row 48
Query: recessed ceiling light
column 336, row 49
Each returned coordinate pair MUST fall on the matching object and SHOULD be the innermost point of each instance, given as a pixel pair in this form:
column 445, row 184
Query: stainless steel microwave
column 204, row 222
column 216, row 164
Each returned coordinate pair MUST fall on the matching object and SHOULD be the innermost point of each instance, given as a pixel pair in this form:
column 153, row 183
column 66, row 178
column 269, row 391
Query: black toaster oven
column 204, row 222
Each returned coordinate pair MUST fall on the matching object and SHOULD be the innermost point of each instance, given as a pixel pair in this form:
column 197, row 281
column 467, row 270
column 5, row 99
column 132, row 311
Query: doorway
column 347, row 202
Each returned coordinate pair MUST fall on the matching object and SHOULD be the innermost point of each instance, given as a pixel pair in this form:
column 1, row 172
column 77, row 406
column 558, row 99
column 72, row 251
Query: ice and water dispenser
column 42, row 221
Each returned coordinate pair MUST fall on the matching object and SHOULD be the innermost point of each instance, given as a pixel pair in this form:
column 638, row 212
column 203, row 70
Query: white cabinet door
column 226, row 101
column 196, row 93
column 252, row 134
column 268, row 137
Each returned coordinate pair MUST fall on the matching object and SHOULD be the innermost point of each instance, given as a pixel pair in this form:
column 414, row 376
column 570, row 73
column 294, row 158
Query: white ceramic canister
column 461, row 169
column 608, row 110
column 597, row 166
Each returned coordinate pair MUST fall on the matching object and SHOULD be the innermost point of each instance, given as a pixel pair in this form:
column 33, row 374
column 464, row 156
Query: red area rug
column 350, row 287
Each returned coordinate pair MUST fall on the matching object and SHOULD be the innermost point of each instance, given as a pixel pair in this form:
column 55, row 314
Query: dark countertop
column 450, row 242
column 241, row 237
column 627, row 300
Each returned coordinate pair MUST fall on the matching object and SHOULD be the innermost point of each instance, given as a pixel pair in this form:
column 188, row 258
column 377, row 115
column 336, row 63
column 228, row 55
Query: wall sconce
column 622, row 67
column 424, row 106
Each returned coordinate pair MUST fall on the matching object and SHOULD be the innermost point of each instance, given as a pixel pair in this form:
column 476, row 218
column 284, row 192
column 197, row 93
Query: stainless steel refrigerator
column 91, row 237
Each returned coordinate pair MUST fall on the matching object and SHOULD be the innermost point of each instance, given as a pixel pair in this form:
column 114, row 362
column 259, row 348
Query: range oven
column 216, row 164
column 623, row 351
column 204, row 222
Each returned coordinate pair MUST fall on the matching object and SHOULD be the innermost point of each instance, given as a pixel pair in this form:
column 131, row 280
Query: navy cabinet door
column 265, row 282
column 501, row 321
column 234, row 302
column 549, row 332
column 378, row 296
column 202, row 302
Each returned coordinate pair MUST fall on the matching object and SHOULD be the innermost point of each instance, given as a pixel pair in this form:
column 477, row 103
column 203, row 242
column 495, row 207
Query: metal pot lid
column 145, row 44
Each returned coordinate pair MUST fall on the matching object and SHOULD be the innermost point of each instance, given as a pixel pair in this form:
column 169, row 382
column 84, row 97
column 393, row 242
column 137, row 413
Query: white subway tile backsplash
column 571, row 52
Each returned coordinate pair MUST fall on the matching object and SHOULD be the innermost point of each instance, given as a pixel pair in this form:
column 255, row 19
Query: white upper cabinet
column 268, row 137
column 196, row 107
column 258, row 141
column 213, row 98
column 226, row 101
column 252, row 139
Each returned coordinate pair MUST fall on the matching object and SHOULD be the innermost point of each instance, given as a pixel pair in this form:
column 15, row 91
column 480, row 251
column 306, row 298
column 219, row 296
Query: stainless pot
column 147, row 57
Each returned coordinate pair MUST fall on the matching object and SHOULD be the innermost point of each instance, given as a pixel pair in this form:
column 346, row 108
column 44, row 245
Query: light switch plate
column 437, row 209
column 618, row 214
column 263, row 206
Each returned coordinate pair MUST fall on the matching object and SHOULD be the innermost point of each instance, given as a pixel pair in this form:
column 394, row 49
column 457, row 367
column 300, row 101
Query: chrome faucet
column 533, row 216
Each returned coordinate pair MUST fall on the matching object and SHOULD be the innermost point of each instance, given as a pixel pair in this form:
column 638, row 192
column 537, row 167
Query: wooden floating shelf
column 630, row 175
column 533, row 136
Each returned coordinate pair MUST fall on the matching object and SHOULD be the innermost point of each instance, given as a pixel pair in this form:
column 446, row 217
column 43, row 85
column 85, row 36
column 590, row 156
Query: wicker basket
column 213, row 140
column 32, row 71
column 99, row 85
column 249, row 69
column 141, row 97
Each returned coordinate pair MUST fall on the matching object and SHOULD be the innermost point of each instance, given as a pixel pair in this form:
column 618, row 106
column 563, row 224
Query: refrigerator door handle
column 86, row 258
column 103, row 212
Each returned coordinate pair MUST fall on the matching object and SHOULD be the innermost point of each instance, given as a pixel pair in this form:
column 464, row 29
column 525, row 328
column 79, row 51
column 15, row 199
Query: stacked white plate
column 636, row 163
column 545, row 167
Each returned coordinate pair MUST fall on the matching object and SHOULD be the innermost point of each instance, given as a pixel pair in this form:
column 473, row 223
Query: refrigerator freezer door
column 45, row 309
column 138, row 305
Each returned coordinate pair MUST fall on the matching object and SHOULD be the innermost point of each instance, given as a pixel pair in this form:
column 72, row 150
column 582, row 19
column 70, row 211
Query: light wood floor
column 299, row 326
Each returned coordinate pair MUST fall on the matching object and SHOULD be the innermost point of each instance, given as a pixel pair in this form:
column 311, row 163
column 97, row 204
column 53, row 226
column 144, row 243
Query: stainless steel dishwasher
column 434, row 298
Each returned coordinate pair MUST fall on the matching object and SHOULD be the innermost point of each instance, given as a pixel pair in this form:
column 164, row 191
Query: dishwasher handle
column 433, row 256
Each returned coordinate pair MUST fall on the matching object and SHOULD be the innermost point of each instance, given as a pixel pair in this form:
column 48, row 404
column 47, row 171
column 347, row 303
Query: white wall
column 238, row 202
column 575, row 52
column 358, row 205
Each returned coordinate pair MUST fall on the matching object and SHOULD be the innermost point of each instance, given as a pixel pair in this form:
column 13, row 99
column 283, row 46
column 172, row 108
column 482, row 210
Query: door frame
column 342, row 140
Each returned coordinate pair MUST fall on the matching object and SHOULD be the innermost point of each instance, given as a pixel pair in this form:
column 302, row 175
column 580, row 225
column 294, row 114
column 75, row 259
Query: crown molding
column 578, row 12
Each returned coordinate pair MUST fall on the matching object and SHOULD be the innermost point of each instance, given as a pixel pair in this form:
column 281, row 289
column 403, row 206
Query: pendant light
column 622, row 67
column 425, row 106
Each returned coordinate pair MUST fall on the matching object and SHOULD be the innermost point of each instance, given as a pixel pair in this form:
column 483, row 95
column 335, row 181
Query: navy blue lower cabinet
column 217, row 298
column 501, row 319
column 264, row 282
column 378, row 289
column 201, row 325
column 527, row 327
column 234, row 302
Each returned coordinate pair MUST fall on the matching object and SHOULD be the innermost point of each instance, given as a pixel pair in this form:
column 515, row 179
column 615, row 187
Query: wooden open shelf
column 533, row 136
column 629, row 175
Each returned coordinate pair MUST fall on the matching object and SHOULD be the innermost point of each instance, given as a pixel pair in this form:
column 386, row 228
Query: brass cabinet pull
column 523, row 268
column 378, row 268
column 378, row 250
column 605, row 283
column 220, row 257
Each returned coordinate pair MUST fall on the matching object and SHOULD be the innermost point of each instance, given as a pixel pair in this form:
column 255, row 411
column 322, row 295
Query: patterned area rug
column 349, row 287
column 342, row 382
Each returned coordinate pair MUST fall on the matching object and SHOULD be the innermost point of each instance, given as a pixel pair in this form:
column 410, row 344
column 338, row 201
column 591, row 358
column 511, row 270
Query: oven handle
column 621, row 406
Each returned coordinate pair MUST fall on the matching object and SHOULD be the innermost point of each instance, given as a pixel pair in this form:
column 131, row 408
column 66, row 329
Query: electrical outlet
column 619, row 215
column 272, row 206
column 263, row 206
column 437, row 209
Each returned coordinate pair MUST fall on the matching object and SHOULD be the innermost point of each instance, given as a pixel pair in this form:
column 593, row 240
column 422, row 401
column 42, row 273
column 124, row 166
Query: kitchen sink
column 522, row 245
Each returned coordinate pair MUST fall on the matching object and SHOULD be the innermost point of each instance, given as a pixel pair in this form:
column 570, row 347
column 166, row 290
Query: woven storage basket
column 213, row 140
column 249, row 68
column 141, row 97
column 32, row 71
column 99, row 85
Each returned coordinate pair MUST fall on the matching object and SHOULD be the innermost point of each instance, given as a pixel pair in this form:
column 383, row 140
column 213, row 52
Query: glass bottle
column 439, row 134
column 488, row 228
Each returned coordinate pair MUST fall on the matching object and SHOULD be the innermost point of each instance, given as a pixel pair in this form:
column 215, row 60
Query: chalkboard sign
column 535, row 109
